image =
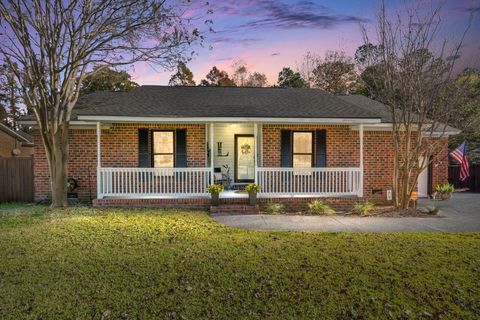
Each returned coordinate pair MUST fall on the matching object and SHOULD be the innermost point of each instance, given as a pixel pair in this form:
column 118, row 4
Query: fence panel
column 16, row 179
column 473, row 183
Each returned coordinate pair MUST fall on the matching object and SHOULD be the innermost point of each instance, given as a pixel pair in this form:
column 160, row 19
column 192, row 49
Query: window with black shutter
column 321, row 150
column 163, row 149
column 302, row 149
column 143, row 154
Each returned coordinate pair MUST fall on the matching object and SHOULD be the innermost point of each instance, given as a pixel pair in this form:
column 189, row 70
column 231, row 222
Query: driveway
column 462, row 214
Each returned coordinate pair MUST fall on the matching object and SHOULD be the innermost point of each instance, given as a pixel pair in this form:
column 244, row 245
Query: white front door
column 423, row 182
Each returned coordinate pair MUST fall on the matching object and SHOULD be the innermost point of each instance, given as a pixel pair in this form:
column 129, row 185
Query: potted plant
column 444, row 191
column 252, row 190
column 214, row 190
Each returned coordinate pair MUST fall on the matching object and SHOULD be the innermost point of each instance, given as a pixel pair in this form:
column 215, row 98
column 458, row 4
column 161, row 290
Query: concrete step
column 234, row 209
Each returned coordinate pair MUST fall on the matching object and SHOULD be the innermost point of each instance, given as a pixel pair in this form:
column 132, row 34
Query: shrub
column 319, row 207
column 445, row 188
column 274, row 208
column 215, row 188
column 253, row 187
column 363, row 208
column 432, row 209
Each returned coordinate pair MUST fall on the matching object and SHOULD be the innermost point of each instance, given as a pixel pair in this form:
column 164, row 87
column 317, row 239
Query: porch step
column 234, row 209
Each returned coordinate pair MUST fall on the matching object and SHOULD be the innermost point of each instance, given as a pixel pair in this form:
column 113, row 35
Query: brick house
column 15, row 143
column 162, row 146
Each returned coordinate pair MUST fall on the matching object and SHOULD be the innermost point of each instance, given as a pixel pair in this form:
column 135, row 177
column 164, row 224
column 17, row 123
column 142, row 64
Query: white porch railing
column 153, row 182
column 286, row 182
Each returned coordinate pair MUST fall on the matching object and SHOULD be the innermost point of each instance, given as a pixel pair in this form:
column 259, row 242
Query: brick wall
column 119, row 146
column 120, row 149
column 343, row 145
column 440, row 162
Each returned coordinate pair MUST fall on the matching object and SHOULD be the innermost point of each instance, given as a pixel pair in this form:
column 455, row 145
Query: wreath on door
column 246, row 148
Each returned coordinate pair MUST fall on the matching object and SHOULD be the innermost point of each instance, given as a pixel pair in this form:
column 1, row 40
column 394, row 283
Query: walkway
column 462, row 214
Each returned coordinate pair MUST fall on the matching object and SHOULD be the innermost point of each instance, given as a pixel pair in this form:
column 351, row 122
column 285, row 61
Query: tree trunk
column 56, row 148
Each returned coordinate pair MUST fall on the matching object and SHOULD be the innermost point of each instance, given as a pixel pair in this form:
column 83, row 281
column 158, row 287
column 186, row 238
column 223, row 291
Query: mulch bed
column 388, row 211
column 377, row 211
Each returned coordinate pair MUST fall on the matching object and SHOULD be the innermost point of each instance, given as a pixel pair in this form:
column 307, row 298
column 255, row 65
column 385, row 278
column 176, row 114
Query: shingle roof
column 384, row 111
column 19, row 135
column 166, row 101
column 365, row 103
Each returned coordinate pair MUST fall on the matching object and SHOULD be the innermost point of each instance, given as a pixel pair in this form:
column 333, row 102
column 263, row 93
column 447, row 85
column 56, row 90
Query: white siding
column 225, row 133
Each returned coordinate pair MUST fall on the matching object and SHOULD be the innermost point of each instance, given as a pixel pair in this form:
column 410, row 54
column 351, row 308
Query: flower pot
column 445, row 196
column 252, row 198
column 215, row 199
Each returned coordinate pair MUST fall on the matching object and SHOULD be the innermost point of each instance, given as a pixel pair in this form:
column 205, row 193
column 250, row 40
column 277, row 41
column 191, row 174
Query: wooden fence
column 16, row 179
column 473, row 183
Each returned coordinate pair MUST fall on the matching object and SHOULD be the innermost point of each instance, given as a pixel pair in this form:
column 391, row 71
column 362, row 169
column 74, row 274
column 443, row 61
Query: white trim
column 212, row 173
column 255, row 153
column 75, row 124
column 388, row 127
column 228, row 119
column 360, row 189
column 99, row 162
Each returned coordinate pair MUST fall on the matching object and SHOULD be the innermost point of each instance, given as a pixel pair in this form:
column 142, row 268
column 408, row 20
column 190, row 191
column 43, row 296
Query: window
column 163, row 149
column 302, row 149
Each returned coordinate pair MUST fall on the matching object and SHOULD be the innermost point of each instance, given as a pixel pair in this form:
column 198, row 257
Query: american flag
column 460, row 155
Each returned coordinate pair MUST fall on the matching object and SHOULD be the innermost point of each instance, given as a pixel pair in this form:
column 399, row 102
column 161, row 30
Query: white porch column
column 255, row 146
column 99, row 162
column 360, row 133
column 212, row 154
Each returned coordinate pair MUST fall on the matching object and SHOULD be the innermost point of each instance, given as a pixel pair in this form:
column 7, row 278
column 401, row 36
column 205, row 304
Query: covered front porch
column 236, row 153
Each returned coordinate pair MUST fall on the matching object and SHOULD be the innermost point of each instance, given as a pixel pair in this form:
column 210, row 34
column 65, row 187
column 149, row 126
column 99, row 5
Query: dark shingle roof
column 365, row 103
column 384, row 111
column 165, row 101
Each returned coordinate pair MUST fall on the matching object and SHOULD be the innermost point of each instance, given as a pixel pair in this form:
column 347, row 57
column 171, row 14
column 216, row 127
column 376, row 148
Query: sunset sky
column 269, row 35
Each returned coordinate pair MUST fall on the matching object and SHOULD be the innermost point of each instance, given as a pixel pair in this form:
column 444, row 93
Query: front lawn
column 83, row 263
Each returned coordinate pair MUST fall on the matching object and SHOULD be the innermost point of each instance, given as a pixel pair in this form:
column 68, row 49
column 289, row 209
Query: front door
column 244, row 158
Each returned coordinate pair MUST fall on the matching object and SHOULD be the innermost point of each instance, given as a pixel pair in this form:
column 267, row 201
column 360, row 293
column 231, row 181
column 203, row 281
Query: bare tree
column 306, row 67
column 243, row 77
column 414, row 84
column 240, row 73
column 52, row 46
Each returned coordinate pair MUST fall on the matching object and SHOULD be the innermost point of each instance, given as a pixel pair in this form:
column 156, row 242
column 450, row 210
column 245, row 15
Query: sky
column 271, row 34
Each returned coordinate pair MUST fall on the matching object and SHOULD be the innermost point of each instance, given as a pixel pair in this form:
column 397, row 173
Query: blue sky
column 268, row 35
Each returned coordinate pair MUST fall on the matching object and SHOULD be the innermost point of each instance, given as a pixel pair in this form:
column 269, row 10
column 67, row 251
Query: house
column 14, row 143
column 162, row 146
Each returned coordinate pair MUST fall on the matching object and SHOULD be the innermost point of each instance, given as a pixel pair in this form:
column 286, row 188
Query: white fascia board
column 227, row 120
column 73, row 124
column 388, row 127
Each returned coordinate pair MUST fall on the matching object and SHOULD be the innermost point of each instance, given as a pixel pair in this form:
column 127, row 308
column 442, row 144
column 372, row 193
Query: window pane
column 302, row 161
column 163, row 161
column 163, row 142
column 302, row 142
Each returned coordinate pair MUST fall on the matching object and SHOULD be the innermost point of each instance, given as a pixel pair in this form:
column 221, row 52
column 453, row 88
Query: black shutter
column 181, row 148
column 143, row 154
column 321, row 136
column 286, row 149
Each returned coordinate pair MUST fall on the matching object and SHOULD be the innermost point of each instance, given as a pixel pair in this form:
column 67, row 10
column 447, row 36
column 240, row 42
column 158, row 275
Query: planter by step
column 252, row 198
column 215, row 199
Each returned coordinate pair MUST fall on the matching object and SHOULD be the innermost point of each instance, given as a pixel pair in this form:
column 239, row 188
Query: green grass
column 82, row 263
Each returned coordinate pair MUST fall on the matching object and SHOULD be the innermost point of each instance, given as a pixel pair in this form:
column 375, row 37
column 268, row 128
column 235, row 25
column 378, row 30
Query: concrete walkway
column 462, row 214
